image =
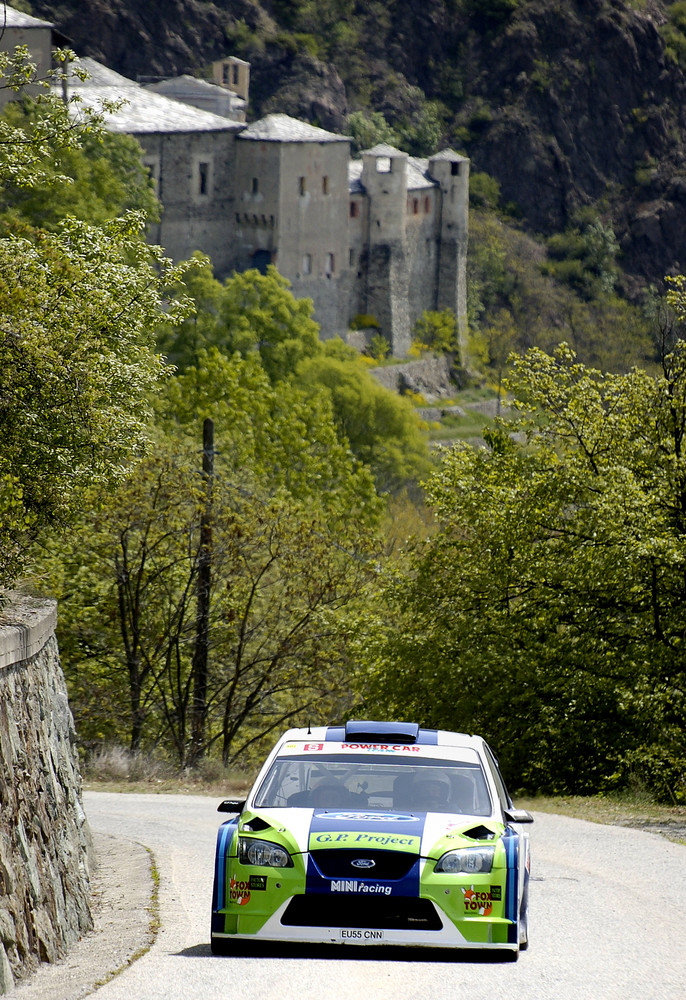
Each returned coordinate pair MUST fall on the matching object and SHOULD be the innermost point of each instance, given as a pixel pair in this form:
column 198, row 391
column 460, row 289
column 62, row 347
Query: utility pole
column 202, row 624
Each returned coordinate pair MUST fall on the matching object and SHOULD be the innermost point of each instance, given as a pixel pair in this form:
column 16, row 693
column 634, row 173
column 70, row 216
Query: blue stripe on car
column 225, row 832
column 511, row 845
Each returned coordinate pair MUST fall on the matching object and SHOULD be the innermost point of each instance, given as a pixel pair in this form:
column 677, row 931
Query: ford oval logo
column 363, row 863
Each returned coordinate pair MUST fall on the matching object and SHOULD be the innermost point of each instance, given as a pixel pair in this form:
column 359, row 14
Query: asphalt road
column 608, row 920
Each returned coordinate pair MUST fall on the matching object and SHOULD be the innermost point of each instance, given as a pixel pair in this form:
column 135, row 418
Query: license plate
column 359, row 935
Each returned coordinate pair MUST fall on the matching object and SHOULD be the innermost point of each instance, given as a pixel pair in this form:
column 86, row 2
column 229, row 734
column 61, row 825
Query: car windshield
column 370, row 783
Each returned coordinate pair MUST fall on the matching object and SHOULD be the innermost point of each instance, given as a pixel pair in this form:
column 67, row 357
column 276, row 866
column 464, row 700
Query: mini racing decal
column 348, row 832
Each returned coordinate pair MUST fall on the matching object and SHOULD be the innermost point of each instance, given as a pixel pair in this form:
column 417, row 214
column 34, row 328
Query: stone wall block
column 45, row 843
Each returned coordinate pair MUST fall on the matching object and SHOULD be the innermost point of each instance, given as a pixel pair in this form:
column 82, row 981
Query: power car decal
column 429, row 737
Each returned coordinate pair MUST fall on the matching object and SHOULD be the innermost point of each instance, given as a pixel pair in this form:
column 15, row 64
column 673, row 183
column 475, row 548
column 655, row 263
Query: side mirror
column 231, row 806
column 518, row 816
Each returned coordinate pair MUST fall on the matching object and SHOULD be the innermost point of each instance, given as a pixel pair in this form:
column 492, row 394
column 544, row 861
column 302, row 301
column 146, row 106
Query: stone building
column 384, row 236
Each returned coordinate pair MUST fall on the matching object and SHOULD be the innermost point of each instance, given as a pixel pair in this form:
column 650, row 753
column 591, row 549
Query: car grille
column 375, row 912
column 388, row 865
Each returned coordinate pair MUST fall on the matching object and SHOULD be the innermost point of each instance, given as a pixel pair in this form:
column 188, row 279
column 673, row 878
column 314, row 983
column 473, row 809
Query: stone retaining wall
column 432, row 378
column 45, row 843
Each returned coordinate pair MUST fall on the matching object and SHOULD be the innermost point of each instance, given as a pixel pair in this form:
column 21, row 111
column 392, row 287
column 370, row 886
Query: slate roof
column 283, row 128
column 450, row 154
column 417, row 173
column 17, row 19
column 200, row 94
column 11, row 18
column 143, row 111
column 383, row 149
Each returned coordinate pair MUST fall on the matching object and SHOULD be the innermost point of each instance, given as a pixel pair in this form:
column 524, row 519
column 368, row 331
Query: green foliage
column 506, row 270
column 77, row 362
column 584, row 257
column 380, row 427
column 249, row 312
column 363, row 321
column 76, row 366
column 484, row 190
column 100, row 180
column 549, row 604
column 437, row 331
column 369, row 129
column 379, row 347
column 31, row 147
column 673, row 32
column 293, row 538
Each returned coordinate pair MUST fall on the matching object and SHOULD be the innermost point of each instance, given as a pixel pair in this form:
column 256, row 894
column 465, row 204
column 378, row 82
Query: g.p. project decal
column 363, row 838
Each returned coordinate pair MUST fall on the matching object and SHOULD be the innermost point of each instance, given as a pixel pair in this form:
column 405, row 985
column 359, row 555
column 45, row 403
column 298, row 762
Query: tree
column 258, row 317
column 100, row 179
column 250, row 312
column 549, row 604
column 381, row 427
column 294, row 540
column 76, row 365
column 76, row 309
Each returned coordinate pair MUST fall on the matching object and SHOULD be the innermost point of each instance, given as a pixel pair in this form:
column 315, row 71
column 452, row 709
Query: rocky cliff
column 567, row 103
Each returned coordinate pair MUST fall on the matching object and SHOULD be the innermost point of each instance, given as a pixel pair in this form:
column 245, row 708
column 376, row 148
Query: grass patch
column 115, row 769
column 636, row 810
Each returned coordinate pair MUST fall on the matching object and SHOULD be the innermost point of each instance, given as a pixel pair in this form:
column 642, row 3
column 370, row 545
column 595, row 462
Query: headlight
column 471, row 861
column 263, row 853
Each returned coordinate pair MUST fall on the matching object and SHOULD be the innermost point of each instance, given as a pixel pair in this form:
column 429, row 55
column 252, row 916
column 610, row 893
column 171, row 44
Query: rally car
column 374, row 833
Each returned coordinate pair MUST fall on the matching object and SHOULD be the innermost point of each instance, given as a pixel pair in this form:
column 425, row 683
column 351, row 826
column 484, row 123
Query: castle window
column 255, row 185
column 307, row 263
column 415, row 206
column 455, row 169
column 203, row 178
column 384, row 165
column 354, row 209
column 225, row 73
column 351, row 258
column 427, row 205
column 329, row 266
column 302, row 186
column 325, row 185
column 234, row 69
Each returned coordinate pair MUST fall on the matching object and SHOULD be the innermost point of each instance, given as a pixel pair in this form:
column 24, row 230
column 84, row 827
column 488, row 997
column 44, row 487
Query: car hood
column 426, row 834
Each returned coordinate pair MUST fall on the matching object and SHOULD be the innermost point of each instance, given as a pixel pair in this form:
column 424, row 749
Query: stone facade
column 45, row 843
column 384, row 236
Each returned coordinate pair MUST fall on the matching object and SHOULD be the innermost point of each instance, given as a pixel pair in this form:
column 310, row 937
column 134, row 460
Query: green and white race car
column 374, row 833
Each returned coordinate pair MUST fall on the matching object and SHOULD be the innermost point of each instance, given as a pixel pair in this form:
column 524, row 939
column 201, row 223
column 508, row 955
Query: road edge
column 124, row 901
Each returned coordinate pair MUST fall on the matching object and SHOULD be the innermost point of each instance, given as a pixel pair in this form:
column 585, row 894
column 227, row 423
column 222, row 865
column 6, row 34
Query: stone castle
column 384, row 236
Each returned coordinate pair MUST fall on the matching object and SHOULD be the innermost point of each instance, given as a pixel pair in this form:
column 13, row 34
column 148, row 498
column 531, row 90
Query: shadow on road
column 326, row 952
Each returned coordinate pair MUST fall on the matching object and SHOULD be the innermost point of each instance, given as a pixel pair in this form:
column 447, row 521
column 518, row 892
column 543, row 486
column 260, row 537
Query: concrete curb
column 25, row 627
column 122, row 902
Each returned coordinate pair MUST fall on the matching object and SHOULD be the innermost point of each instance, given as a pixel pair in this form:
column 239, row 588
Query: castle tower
column 451, row 171
column 384, row 178
column 233, row 74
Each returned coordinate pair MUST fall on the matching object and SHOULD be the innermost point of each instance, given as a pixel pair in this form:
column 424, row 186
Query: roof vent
column 381, row 732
